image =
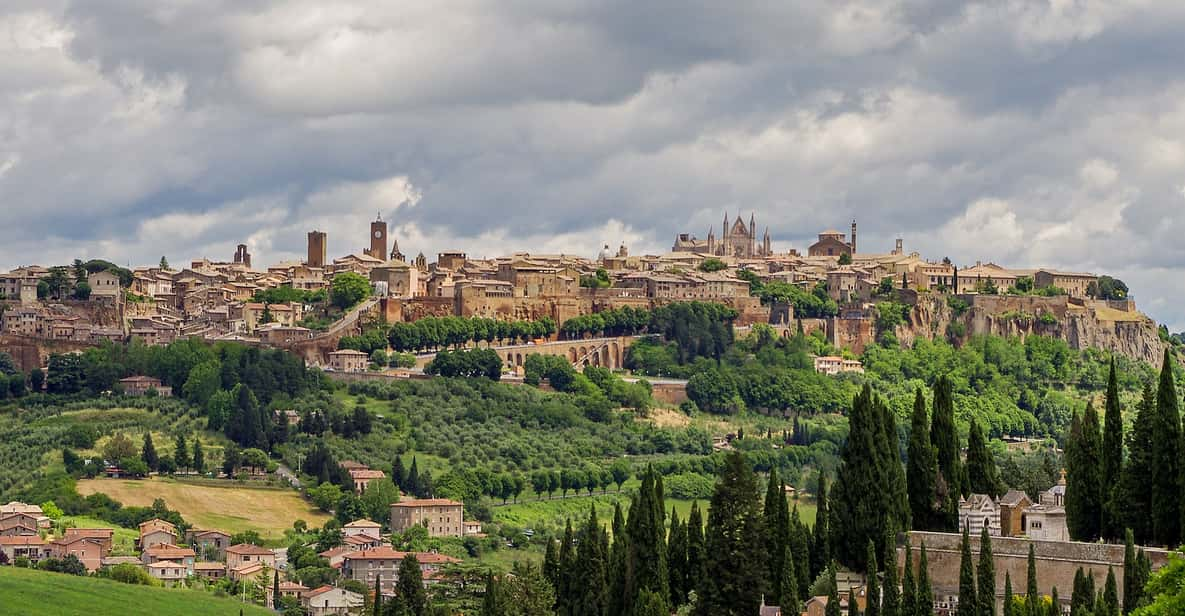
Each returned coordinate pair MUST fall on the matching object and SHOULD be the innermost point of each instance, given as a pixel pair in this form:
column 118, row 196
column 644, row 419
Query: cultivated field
column 224, row 506
column 35, row 593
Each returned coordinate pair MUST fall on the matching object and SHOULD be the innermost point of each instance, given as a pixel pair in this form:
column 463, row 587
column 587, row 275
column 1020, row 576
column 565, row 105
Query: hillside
column 33, row 593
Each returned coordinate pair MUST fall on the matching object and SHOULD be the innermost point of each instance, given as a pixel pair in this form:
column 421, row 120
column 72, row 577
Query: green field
column 32, row 593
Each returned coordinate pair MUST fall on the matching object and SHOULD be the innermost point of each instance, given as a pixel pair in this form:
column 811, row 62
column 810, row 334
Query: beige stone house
column 442, row 517
column 328, row 601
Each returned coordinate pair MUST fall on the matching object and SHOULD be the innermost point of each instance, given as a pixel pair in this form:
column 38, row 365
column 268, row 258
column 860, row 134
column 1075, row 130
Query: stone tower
column 853, row 242
column 316, row 256
column 242, row 256
column 752, row 235
column 378, row 238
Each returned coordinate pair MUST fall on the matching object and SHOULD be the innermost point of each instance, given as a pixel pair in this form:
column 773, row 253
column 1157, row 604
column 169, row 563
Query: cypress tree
column 1032, row 596
column 551, row 564
column 891, row 598
column 1081, row 598
column 180, row 453
column 1110, row 599
column 410, row 586
column 1112, row 460
column 1055, row 604
column 800, row 541
column 378, row 596
column 566, row 589
column 646, row 563
column 1166, row 463
column 489, row 600
column 276, row 590
column 1141, row 572
column 945, row 439
column 821, row 543
column 412, row 484
column 148, row 453
column 677, row 560
column 695, row 548
column 1008, row 611
column 199, row 456
column 832, row 608
column 589, row 583
column 398, row 473
column 1084, row 509
column 1137, row 471
column 981, row 466
column 733, row 582
column 872, row 607
column 869, row 495
column 924, row 599
column 853, row 605
column 1133, row 583
column 986, row 574
column 617, row 557
column 789, row 583
column 775, row 540
column 968, row 599
column 1088, row 590
column 650, row 603
column 922, row 467
column 909, row 598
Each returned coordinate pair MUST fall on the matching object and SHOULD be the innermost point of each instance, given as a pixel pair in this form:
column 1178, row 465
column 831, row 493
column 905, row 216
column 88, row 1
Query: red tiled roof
column 319, row 590
column 427, row 502
column 22, row 540
column 247, row 548
column 389, row 553
column 363, row 524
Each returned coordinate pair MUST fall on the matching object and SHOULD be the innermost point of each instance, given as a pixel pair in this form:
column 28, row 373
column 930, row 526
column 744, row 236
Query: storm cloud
column 1029, row 133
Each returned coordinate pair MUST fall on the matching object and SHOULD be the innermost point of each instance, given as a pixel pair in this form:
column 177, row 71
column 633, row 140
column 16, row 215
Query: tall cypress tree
column 551, row 564
column 1008, row 611
column 148, row 453
column 1055, row 604
column 869, row 496
column 566, row 589
column 412, row 485
column 1133, row 581
column 945, row 438
column 891, row 598
column 986, row 573
column 821, row 543
column 909, row 596
column 1137, row 471
column 789, row 583
column 646, row 554
column 922, row 468
column 1112, row 460
column 924, row 599
column 1032, row 596
column 695, row 547
column 490, row 606
column 590, row 576
column 378, row 596
column 734, row 579
column 276, row 590
column 1110, row 598
column 968, row 598
column 1084, row 508
column 1081, row 597
column 832, row 608
column 775, row 539
column 677, row 560
column 981, row 466
column 1166, row 463
column 398, row 473
column 800, row 541
column 872, row 607
column 617, row 558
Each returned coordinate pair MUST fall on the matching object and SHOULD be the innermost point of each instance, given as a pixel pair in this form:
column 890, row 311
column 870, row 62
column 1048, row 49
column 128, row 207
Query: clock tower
column 378, row 239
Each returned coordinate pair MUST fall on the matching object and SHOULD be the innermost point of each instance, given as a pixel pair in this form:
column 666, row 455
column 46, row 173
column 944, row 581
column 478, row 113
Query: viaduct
column 604, row 352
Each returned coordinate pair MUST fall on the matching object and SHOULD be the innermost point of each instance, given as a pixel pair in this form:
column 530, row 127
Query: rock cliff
column 1115, row 327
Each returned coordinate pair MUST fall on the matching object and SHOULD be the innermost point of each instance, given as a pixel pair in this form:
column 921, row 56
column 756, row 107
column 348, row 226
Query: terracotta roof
column 427, row 502
column 165, row 564
column 361, row 539
column 363, row 523
column 337, row 551
column 248, row 569
column 389, row 553
column 247, row 548
column 203, row 533
column 166, row 552
column 292, row 586
column 98, row 533
column 366, row 473
column 22, row 540
column 319, row 590
column 209, row 566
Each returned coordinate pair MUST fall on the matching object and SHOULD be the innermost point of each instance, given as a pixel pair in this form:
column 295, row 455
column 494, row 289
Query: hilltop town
column 833, row 287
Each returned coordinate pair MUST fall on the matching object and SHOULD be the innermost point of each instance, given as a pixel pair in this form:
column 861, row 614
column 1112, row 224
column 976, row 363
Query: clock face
column 378, row 235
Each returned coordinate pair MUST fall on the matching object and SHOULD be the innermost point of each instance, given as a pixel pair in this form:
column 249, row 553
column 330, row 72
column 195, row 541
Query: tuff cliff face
column 1111, row 326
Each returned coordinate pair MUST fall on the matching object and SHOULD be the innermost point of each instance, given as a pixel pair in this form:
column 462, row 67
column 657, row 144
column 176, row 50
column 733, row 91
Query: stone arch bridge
column 604, row 352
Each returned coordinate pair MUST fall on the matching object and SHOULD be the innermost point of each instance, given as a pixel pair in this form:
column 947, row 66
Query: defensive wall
column 1057, row 562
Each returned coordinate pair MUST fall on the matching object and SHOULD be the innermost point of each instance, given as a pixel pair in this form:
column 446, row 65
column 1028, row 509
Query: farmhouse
column 442, row 517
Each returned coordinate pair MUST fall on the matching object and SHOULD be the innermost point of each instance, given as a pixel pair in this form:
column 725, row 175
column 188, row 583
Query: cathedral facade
column 736, row 240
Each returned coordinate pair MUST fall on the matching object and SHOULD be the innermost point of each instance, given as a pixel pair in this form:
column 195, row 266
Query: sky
column 1034, row 133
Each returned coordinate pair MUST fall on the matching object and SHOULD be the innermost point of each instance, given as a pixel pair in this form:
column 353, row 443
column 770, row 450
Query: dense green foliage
column 441, row 332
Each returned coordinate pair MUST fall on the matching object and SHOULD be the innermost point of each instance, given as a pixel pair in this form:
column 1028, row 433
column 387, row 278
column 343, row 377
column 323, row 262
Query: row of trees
column 624, row 321
column 440, row 332
column 471, row 363
column 1145, row 492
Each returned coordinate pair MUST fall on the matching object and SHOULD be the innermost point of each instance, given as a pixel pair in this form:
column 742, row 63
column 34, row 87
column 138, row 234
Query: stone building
column 441, row 516
column 317, row 248
column 349, row 360
column 831, row 243
column 736, row 240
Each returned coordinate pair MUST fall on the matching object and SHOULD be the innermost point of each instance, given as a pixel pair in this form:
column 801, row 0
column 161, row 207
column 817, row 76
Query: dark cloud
column 1021, row 132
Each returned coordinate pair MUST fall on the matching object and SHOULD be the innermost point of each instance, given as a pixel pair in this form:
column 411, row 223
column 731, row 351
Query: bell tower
column 853, row 244
column 378, row 238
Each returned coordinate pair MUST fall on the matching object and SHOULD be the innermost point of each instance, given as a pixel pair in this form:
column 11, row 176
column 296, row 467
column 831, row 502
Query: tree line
column 439, row 332
column 1107, row 493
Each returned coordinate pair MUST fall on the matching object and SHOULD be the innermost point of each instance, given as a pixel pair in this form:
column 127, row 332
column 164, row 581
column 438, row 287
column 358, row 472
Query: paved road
column 286, row 474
